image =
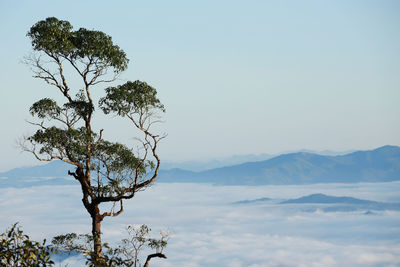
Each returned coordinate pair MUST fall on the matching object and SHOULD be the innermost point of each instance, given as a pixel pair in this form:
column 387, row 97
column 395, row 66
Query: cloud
column 210, row 231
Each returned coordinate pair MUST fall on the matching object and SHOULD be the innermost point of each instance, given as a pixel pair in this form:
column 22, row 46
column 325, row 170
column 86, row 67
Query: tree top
column 56, row 38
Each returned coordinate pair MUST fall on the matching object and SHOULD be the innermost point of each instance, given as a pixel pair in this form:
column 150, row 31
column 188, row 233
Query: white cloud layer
column 211, row 231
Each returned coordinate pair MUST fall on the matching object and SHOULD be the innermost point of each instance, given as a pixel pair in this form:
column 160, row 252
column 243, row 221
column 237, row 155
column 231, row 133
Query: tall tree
column 108, row 172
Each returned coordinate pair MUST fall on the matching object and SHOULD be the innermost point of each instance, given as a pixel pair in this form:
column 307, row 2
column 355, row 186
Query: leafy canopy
column 56, row 37
column 131, row 97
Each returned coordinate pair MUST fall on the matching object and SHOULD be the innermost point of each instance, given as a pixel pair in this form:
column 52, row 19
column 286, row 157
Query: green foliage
column 81, row 107
column 72, row 142
column 118, row 165
column 45, row 108
column 139, row 238
column 69, row 113
column 126, row 254
column 114, row 164
column 16, row 249
column 68, row 242
column 157, row 244
column 131, row 97
column 117, row 157
column 52, row 36
column 96, row 44
column 82, row 244
column 55, row 37
column 119, row 161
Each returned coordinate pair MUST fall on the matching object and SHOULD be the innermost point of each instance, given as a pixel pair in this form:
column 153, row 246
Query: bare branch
column 149, row 257
column 39, row 70
column 112, row 213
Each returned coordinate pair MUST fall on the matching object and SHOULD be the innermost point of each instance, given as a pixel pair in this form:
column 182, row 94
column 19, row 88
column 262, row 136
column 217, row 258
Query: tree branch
column 149, row 257
column 114, row 214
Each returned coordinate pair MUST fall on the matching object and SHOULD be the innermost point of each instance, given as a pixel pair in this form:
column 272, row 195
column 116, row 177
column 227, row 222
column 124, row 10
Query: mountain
column 313, row 202
column 379, row 165
column 55, row 168
column 53, row 173
column 258, row 200
column 343, row 204
column 324, row 199
column 198, row 166
column 215, row 163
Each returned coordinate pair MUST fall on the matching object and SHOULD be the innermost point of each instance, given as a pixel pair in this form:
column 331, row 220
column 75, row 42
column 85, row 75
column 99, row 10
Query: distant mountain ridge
column 379, row 165
column 330, row 203
column 325, row 199
column 198, row 165
column 55, row 168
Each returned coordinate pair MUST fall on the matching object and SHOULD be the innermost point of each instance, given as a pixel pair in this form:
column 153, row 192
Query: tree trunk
column 96, row 232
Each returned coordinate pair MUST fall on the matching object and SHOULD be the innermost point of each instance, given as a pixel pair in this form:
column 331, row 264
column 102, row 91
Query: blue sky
column 237, row 77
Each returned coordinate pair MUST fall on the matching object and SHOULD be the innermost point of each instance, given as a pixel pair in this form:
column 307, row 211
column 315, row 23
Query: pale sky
column 236, row 77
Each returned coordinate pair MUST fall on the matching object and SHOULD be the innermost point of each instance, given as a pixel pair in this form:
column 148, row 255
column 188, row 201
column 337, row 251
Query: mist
column 209, row 229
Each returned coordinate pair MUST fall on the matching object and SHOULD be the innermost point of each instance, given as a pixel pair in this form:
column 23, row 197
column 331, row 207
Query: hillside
column 325, row 199
column 379, row 165
column 313, row 202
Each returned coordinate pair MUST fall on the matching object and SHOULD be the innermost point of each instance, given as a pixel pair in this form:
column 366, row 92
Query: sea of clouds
column 210, row 230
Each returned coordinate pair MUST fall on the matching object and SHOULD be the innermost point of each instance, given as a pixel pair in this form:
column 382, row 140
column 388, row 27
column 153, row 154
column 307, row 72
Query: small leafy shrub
column 16, row 249
column 126, row 254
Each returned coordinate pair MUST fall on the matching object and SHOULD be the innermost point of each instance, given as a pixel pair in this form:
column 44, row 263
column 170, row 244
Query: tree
column 108, row 172
column 16, row 249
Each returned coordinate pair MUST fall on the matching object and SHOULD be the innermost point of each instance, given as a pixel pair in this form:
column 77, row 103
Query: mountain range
column 325, row 199
column 378, row 165
column 328, row 203
column 197, row 166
